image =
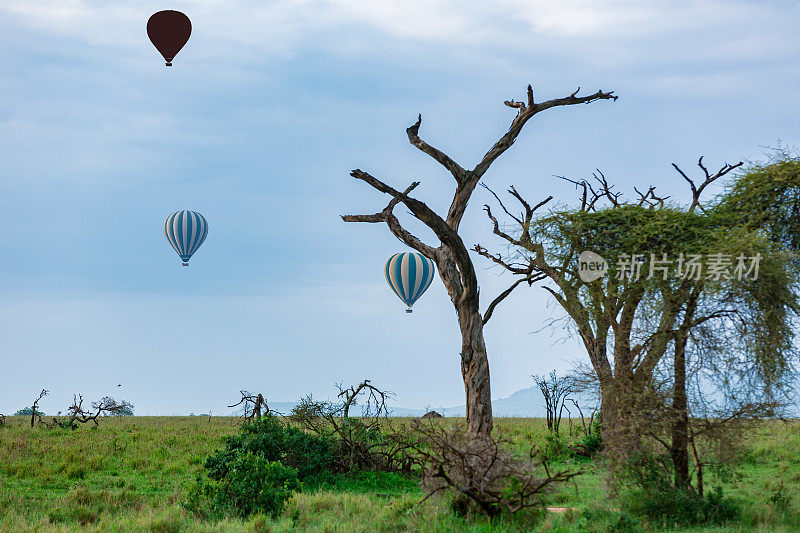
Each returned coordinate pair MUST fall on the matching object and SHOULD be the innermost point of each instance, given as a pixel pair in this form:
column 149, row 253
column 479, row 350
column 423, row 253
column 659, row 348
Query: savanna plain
column 136, row 473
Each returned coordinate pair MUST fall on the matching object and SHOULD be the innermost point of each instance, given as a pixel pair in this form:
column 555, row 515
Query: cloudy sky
column 257, row 125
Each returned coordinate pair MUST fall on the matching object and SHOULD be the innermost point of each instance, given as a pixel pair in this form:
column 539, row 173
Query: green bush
column 597, row 520
column 273, row 441
column 649, row 492
column 556, row 449
column 591, row 443
column 258, row 469
column 252, row 485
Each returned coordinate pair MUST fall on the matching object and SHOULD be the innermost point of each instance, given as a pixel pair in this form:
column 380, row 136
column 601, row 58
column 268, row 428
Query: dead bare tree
column 451, row 257
column 34, row 411
column 555, row 391
column 76, row 413
column 252, row 404
column 375, row 404
column 364, row 443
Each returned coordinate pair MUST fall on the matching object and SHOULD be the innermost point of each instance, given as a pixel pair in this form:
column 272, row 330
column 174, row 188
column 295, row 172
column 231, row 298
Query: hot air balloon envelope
column 409, row 274
column 185, row 231
column 168, row 31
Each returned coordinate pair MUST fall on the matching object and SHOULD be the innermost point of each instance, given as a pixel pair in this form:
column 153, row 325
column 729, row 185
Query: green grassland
column 133, row 473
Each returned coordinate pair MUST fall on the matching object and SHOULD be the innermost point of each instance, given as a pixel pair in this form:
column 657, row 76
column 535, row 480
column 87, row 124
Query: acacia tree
column 747, row 356
column 607, row 312
column 736, row 366
column 451, row 256
column 636, row 320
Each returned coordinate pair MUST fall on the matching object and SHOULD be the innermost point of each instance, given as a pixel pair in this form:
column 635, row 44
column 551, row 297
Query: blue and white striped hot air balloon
column 409, row 274
column 185, row 231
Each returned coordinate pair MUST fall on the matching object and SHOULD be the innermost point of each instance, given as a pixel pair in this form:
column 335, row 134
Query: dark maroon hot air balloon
column 168, row 31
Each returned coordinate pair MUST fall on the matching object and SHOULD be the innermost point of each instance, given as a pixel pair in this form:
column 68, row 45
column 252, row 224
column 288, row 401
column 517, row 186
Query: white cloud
column 506, row 22
column 727, row 39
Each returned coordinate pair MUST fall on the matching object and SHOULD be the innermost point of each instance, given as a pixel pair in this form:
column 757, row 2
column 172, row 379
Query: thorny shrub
column 484, row 474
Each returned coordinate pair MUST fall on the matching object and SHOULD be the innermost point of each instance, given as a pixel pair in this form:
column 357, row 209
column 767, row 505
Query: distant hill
column 526, row 403
column 523, row 403
column 283, row 408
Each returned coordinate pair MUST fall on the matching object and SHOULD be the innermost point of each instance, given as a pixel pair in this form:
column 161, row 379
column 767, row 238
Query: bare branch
column 394, row 224
column 496, row 225
column 498, row 259
column 525, row 113
column 519, row 221
column 252, row 404
column 375, row 402
column 381, row 216
column 643, row 196
column 484, row 471
column 418, row 208
column 103, row 407
column 512, row 103
column 605, row 189
column 581, row 183
column 530, row 279
column 468, row 291
column 709, row 179
column 445, row 160
column 590, row 196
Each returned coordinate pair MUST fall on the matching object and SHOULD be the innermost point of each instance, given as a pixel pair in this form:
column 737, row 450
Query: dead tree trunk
column 260, row 401
column 475, row 373
column 452, row 257
column 257, row 400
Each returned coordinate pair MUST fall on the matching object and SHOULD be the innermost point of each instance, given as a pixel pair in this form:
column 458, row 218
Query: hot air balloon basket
column 409, row 310
column 185, row 264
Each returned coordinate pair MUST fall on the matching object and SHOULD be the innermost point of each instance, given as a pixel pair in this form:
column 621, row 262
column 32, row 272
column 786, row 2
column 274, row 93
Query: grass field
column 133, row 473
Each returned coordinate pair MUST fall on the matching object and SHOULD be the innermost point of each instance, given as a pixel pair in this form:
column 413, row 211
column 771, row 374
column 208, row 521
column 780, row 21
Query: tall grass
column 132, row 473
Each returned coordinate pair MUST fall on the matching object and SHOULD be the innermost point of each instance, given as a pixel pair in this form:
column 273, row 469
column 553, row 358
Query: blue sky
column 266, row 109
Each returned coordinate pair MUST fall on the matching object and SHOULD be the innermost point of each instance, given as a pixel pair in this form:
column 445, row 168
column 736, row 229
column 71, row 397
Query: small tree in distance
column 555, row 390
column 125, row 408
column 33, row 411
column 106, row 406
column 27, row 411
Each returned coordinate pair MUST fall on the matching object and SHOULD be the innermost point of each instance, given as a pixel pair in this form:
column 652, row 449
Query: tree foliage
column 742, row 327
